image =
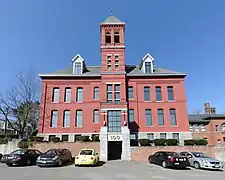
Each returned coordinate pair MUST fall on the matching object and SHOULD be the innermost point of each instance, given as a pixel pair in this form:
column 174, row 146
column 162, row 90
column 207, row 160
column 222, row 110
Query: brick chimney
column 208, row 109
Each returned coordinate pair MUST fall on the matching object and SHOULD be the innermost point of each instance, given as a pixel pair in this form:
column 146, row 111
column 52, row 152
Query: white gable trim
column 147, row 58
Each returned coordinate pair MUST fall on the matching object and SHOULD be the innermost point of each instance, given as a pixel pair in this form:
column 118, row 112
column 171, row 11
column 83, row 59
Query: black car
column 0, row 156
column 54, row 157
column 169, row 159
column 21, row 157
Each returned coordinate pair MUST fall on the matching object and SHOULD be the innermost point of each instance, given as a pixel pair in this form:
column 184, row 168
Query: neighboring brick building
column 105, row 99
column 210, row 126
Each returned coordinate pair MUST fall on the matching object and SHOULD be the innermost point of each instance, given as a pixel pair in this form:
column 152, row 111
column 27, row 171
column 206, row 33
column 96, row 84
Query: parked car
column 54, row 157
column 200, row 160
column 168, row 159
column 87, row 157
column 0, row 156
column 21, row 157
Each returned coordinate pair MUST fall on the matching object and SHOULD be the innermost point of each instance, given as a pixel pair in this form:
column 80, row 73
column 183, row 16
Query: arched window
column 116, row 37
column 107, row 37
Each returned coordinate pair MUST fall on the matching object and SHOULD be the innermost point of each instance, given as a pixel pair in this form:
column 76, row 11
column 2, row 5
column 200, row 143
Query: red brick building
column 209, row 125
column 114, row 99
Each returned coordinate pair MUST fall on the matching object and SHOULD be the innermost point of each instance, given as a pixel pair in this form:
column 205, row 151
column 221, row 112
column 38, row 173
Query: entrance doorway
column 114, row 150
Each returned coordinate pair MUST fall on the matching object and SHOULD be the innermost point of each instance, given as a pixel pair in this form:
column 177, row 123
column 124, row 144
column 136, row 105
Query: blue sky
column 183, row 35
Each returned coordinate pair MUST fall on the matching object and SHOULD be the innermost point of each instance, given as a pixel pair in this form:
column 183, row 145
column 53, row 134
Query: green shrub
column 172, row 142
column 159, row 142
column 189, row 142
column 3, row 140
column 23, row 144
column 95, row 138
column 13, row 136
column 144, row 142
column 85, row 138
column 54, row 139
column 201, row 142
column 10, row 136
column 36, row 138
column 133, row 142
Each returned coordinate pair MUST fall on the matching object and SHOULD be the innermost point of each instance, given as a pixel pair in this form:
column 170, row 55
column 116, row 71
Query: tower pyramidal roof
column 112, row 20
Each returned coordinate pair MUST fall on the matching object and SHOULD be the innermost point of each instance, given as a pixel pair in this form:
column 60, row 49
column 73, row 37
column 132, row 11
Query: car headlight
column 206, row 162
column 55, row 158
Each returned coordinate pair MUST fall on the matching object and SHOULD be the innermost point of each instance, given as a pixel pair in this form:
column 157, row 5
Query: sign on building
column 115, row 137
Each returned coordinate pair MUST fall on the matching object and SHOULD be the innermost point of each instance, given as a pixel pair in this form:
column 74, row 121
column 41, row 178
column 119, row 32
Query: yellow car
column 87, row 157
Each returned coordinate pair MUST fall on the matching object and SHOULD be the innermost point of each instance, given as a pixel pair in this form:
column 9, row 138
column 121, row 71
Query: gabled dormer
column 147, row 65
column 78, row 65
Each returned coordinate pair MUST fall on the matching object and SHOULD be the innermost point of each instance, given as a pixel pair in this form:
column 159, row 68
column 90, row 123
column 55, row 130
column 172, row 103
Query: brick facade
column 167, row 115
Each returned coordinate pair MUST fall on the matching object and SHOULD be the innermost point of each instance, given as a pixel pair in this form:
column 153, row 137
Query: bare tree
column 20, row 103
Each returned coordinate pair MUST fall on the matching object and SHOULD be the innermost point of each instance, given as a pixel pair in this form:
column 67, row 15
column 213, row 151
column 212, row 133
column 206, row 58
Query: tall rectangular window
column 114, row 121
column 148, row 117
column 67, row 95
column 96, row 116
column 160, row 117
column 170, row 93
column 54, row 119
column 79, row 95
column 79, row 118
column 55, row 97
column 130, row 92
column 203, row 128
column 109, row 62
column 96, row 93
column 66, row 119
column 77, row 68
column 173, row 120
column 117, row 93
column 116, row 62
column 109, row 92
column 150, row 136
column 148, row 67
column 158, row 94
column 131, row 115
column 176, row 136
column 146, row 93
column 162, row 135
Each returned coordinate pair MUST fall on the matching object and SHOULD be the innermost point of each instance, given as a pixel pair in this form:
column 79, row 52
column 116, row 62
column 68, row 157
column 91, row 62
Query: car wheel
column 10, row 165
column 149, row 160
column 196, row 165
column 60, row 162
column 164, row 164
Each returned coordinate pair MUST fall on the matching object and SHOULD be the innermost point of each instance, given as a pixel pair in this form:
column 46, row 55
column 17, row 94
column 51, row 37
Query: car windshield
column 20, row 151
column 54, row 151
column 86, row 152
column 199, row 155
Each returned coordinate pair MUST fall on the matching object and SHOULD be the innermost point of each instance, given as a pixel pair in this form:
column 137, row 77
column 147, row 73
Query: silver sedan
column 200, row 160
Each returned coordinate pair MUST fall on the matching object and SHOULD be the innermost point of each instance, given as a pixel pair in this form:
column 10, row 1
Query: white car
column 200, row 160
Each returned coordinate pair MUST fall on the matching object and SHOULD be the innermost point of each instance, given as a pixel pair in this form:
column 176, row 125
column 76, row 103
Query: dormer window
column 148, row 67
column 147, row 64
column 77, row 68
column 116, row 37
column 78, row 65
column 108, row 38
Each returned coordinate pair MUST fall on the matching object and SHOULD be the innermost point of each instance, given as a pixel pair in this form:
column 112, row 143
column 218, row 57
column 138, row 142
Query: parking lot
column 114, row 170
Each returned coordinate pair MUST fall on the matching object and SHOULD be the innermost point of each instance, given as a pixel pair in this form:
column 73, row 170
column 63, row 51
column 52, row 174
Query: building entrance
column 114, row 150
